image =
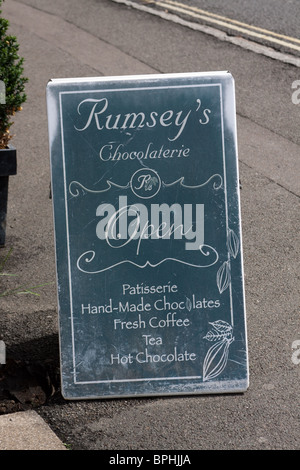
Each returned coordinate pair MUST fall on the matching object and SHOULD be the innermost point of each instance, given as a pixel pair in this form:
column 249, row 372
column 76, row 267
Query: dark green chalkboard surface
column 148, row 235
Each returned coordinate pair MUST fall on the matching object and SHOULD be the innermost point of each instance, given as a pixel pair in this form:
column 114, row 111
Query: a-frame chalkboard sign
column 146, row 203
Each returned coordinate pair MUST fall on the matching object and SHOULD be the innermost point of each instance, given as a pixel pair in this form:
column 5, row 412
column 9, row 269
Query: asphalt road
column 275, row 15
column 268, row 23
column 67, row 38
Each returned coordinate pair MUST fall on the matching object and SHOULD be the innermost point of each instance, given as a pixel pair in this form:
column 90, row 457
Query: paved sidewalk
column 27, row 431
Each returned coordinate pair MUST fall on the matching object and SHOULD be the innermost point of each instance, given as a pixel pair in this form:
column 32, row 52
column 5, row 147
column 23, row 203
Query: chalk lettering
column 96, row 113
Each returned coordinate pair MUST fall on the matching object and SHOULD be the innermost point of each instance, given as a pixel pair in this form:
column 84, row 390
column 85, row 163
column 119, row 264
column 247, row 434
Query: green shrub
column 11, row 70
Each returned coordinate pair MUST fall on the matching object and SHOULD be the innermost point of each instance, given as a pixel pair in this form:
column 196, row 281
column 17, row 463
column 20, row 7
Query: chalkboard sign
column 148, row 236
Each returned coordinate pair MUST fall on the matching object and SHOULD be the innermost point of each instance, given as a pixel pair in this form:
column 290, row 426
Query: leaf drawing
column 223, row 277
column 216, row 359
column 213, row 336
column 233, row 243
column 221, row 330
column 221, row 325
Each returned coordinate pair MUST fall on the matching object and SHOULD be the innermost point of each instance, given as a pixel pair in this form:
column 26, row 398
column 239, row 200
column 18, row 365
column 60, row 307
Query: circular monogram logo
column 145, row 183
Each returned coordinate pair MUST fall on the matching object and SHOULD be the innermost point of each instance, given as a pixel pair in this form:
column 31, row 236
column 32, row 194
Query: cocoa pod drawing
column 216, row 359
column 233, row 244
column 223, row 277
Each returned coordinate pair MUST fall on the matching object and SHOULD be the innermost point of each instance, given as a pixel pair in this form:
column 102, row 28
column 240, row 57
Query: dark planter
column 8, row 166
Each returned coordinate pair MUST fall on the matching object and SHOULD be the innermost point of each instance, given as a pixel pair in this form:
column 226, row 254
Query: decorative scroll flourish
column 74, row 186
column 217, row 356
column 216, row 185
column 84, row 261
